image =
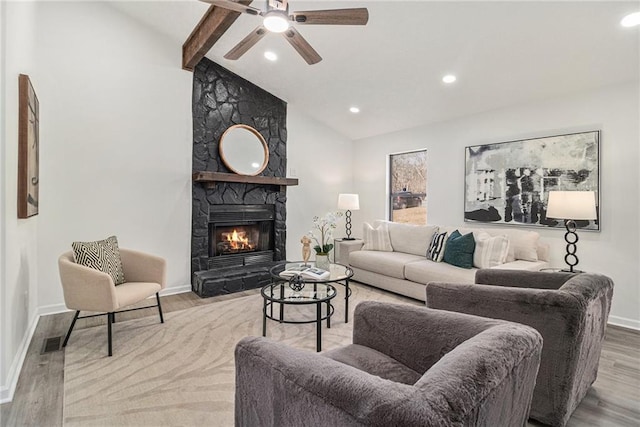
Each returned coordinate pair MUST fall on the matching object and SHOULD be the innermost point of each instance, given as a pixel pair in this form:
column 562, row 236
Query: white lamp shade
column 349, row 202
column 572, row 205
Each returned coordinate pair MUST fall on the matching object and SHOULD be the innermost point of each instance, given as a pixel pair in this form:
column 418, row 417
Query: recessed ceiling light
column 271, row 56
column 631, row 20
column 449, row 78
column 354, row 110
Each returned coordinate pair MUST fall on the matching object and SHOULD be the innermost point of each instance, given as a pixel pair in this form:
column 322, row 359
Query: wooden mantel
column 211, row 178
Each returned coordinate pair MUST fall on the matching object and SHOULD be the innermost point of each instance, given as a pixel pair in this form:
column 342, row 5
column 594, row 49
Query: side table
column 344, row 247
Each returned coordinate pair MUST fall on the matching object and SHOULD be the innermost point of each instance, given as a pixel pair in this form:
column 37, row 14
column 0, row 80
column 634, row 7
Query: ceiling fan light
column 276, row 21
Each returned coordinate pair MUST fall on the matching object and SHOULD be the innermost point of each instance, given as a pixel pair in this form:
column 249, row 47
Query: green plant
column 322, row 231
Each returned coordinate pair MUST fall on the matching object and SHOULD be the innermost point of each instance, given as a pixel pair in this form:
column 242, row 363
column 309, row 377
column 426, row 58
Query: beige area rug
column 181, row 373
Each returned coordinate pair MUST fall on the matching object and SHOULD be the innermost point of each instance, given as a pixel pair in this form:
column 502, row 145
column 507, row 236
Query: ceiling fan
column 278, row 20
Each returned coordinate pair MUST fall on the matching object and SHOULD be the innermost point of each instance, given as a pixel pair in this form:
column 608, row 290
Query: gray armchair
column 569, row 310
column 407, row 366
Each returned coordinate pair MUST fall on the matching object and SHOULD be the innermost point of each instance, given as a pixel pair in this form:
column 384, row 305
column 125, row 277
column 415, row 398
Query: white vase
column 322, row 261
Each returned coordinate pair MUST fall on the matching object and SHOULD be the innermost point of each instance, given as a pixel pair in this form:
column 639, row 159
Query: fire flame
column 238, row 240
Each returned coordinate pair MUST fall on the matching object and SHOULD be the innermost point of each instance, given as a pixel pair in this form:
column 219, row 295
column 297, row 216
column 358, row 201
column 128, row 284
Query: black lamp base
column 348, row 226
column 571, row 237
column 348, row 238
column 568, row 270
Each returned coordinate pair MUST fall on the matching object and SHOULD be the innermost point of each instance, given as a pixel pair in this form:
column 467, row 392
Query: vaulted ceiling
column 503, row 53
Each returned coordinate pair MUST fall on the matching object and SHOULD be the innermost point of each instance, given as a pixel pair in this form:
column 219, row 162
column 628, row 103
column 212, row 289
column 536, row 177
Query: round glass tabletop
column 337, row 272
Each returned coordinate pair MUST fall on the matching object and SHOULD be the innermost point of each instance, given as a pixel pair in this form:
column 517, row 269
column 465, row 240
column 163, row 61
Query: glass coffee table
column 297, row 292
column 338, row 273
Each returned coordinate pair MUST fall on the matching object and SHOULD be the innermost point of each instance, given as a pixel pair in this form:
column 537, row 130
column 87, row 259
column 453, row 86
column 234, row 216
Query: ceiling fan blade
column 358, row 16
column 235, row 6
column 246, row 43
column 302, row 46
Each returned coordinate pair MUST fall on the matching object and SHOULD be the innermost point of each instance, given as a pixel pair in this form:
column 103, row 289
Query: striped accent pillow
column 376, row 239
column 436, row 248
column 103, row 255
column 490, row 251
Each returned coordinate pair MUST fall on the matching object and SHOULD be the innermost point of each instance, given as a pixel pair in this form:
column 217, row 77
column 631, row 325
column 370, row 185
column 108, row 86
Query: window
column 408, row 187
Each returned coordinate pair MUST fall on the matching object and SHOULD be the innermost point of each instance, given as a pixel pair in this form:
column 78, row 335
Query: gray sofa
column 406, row 270
column 569, row 310
column 407, row 366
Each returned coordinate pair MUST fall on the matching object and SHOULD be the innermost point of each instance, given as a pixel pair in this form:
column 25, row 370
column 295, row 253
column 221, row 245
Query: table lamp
column 571, row 206
column 349, row 202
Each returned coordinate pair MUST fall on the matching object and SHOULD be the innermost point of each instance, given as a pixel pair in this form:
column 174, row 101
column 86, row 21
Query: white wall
column 18, row 237
column 321, row 160
column 615, row 110
column 115, row 126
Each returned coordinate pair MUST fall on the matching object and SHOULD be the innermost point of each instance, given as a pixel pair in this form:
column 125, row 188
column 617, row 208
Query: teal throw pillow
column 459, row 250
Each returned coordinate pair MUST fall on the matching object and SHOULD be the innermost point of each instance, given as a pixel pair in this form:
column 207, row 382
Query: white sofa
column 406, row 270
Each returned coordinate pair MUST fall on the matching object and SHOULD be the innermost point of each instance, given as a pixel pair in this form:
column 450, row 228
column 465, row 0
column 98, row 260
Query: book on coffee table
column 306, row 271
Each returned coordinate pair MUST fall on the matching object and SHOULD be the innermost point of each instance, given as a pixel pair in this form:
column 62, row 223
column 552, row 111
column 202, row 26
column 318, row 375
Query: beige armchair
column 87, row 289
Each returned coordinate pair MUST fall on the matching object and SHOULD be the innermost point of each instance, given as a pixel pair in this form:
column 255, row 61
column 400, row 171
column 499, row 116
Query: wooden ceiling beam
column 215, row 22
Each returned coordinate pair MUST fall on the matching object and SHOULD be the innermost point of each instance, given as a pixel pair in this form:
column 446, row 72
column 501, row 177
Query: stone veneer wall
column 222, row 99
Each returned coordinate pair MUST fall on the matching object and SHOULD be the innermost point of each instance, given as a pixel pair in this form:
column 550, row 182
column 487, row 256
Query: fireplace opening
column 236, row 239
column 241, row 235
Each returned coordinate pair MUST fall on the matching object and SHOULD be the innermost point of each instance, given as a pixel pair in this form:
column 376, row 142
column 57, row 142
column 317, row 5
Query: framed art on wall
column 28, row 148
column 509, row 182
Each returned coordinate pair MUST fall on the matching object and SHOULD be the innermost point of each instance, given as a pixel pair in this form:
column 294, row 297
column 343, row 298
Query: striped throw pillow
column 436, row 248
column 490, row 251
column 376, row 239
column 103, row 255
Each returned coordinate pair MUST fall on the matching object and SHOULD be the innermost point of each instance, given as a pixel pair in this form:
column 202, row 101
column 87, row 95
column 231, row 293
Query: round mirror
column 243, row 150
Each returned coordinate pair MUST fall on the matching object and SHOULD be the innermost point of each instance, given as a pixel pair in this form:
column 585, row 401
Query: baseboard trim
column 7, row 391
column 176, row 290
column 61, row 308
column 46, row 310
column 624, row 322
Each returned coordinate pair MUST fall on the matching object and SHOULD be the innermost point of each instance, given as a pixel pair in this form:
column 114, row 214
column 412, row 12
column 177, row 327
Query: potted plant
column 321, row 233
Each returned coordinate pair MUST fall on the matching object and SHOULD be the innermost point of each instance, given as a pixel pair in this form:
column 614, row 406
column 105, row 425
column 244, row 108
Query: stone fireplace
column 238, row 226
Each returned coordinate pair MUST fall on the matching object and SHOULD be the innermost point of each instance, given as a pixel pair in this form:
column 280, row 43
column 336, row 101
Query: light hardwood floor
column 614, row 399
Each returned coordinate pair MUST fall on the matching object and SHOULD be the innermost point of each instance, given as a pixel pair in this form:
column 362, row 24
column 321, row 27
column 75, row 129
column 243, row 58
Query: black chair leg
column 159, row 307
column 109, row 322
column 73, row 323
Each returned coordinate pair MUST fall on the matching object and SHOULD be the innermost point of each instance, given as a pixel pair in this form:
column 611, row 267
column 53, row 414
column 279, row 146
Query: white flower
column 324, row 225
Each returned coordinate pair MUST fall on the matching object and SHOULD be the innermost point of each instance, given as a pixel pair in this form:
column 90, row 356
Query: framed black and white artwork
column 509, row 182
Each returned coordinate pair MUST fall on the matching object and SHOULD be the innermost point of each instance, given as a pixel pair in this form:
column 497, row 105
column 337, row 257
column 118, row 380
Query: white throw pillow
column 376, row 239
column 490, row 251
column 522, row 244
column 411, row 238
